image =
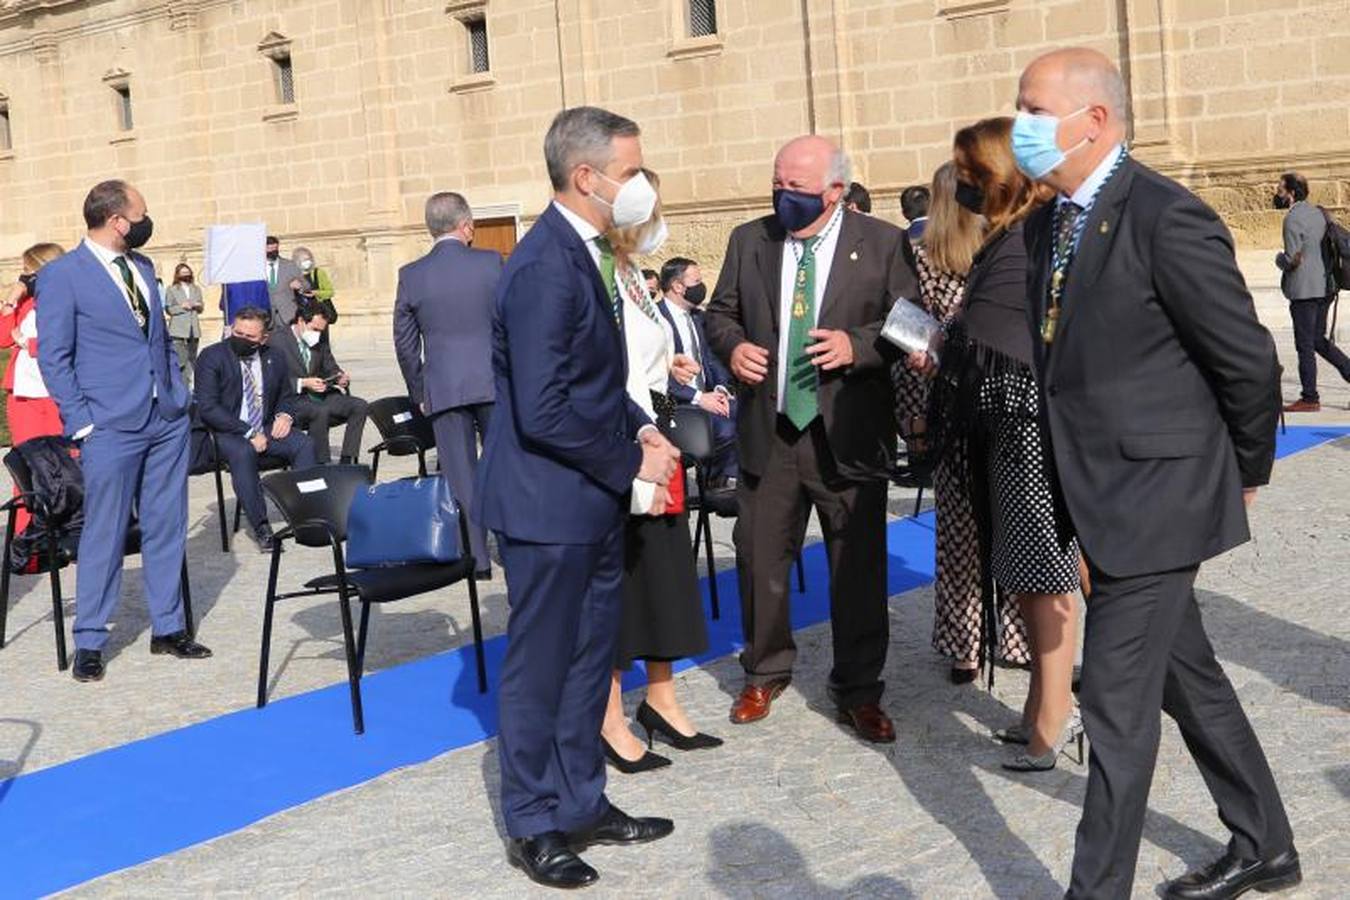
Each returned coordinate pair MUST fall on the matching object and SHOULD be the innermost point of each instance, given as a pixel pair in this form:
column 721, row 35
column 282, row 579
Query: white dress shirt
column 792, row 251
column 585, row 230
column 650, row 348
column 254, row 364
column 1087, row 191
column 684, row 325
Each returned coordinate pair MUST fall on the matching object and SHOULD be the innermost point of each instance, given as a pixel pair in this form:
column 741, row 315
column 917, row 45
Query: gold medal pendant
column 1048, row 325
column 798, row 309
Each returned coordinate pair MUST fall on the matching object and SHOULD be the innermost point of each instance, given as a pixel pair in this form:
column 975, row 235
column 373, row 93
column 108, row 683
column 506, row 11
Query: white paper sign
column 400, row 418
column 235, row 253
column 313, row 486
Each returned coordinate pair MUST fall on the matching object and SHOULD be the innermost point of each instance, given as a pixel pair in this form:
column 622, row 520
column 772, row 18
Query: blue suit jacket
column 97, row 365
column 560, row 455
column 219, row 388
column 713, row 372
column 444, row 311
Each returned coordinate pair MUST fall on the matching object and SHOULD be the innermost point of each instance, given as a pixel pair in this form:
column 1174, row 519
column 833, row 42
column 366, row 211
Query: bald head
column 812, row 165
column 1084, row 90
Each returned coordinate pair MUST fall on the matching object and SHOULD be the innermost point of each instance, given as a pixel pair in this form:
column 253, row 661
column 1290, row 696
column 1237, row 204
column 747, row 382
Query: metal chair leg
column 268, row 607
column 58, row 611
column 361, row 640
column 918, row 501
column 477, row 635
column 238, row 511
column 801, row 574
column 421, row 463
column 4, row 575
column 374, row 463
column 349, row 645
column 220, row 512
column 712, row 564
column 189, row 622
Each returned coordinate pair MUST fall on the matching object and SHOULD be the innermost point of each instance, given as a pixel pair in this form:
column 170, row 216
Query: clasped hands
column 833, row 350
column 281, row 426
column 660, row 458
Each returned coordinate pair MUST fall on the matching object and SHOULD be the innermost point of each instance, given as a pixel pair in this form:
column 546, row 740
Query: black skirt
column 662, row 608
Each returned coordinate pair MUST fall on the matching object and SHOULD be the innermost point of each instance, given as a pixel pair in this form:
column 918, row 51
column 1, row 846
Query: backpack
column 57, row 480
column 1336, row 254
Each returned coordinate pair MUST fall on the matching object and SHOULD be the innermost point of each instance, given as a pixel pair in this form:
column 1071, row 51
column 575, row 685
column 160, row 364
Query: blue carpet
column 116, row 808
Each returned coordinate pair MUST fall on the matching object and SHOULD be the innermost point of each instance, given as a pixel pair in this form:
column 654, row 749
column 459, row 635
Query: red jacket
column 9, row 322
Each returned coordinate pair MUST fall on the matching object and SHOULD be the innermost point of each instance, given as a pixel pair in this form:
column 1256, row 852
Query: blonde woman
column 662, row 609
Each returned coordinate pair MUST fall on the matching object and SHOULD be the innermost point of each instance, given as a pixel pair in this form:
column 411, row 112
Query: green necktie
column 799, row 401
column 138, row 307
column 607, row 276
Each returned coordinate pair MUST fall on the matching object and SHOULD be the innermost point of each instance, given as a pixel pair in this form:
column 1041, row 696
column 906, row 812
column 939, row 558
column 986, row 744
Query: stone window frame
column 965, row 9
column 276, row 49
column 6, row 129
column 124, row 111
column 467, row 13
column 685, row 46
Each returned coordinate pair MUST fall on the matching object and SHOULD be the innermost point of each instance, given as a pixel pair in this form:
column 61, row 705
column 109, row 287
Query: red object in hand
column 676, row 490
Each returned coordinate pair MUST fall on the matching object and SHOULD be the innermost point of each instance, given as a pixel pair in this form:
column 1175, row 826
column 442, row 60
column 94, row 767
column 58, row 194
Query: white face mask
column 653, row 238
column 306, row 265
column 634, row 202
column 311, row 338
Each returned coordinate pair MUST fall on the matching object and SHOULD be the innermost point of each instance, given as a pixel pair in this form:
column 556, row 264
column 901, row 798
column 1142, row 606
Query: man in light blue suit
column 108, row 363
column 563, row 448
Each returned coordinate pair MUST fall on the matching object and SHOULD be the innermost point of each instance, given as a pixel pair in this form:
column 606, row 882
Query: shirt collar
column 445, row 237
column 830, row 227
column 104, row 255
column 585, row 230
column 1087, row 191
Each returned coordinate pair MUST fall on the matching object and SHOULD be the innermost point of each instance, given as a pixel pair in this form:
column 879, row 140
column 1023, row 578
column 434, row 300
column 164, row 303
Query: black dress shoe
column 262, row 536
column 483, row 574
column 618, row 827
column 1232, row 877
column 88, row 665
column 549, row 861
column 180, row 645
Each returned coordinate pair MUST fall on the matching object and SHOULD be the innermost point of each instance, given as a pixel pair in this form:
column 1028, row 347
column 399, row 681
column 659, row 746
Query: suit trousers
column 316, row 415
column 774, row 507
column 145, row 470
column 566, row 602
column 296, row 450
column 458, row 433
column 1145, row 649
column 724, row 462
column 1310, row 342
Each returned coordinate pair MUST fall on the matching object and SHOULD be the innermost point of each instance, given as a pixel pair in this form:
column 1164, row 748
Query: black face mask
column 186, row 279
column 271, row 254
column 139, row 232
column 795, row 209
column 29, row 283
column 969, row 196
column 243, row 347
column 1282, row 202
column 695, row 294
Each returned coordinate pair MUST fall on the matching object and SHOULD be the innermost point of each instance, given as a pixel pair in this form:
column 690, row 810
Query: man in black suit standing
column 443, row 339
column 324, row 389
column 246, row 397
column 796, row 316
column 682, row 294
column 1161, row 393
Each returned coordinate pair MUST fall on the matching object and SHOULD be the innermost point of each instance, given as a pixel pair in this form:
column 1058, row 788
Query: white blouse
column 649, row 355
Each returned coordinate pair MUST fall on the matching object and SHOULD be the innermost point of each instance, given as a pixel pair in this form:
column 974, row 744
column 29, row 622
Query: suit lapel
column 581, row 258
column 1099, row 233
column 670, row 317
column 769, row 257
column 114, row 298
column 845, row 252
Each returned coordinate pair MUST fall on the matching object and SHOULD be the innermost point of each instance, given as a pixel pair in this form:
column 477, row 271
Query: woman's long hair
column 983, row 156
column 953, row 233
column 178, row 271
column 38, row 255
column 625, row 241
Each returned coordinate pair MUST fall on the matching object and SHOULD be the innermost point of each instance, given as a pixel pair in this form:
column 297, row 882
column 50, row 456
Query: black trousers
column 296, row 449
column 774, row 507
column 459, row 432
column 1310, row 341
column 1145, row 649
column 316, row 415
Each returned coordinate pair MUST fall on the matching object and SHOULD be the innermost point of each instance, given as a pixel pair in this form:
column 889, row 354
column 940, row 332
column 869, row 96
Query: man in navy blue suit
column 562, row 451
column 443, row 338
column 246, row 396
column 683, row 293
column 106, row 358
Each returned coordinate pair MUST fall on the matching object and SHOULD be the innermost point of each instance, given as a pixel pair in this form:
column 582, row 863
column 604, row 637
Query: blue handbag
column 412, row 520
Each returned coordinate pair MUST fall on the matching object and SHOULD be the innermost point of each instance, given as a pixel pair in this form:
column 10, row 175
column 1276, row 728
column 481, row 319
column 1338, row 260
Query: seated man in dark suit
column 245, row 396
column 321, row 384
column 682, row 295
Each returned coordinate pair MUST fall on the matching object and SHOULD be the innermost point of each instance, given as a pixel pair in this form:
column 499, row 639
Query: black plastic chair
column 404, row 431
column 213, row 464
column 692, row 433
column 314, row 503
column 60, row 548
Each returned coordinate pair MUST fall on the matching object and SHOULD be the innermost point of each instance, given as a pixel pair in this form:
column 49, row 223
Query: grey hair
column 840, row 170
column 446, row 211
column 583, row 134
column 301, row 253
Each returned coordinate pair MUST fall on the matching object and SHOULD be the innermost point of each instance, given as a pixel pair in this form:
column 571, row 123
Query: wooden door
column 495, row 234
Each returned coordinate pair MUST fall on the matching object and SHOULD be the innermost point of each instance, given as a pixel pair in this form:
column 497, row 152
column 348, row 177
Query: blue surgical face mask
column 797, row 209
column 1034, row 143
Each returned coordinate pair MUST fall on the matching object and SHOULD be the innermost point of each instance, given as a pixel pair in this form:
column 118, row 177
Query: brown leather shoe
column 871, row 723
column 1303, row 406
column 755, row 699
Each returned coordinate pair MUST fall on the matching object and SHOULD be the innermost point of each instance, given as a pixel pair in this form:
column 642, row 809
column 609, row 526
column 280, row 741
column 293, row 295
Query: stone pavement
column 793, row 806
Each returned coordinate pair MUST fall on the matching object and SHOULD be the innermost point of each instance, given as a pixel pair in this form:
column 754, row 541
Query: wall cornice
column 20, row 13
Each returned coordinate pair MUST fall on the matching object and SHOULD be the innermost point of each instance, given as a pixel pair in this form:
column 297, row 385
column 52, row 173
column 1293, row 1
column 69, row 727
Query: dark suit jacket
column 1161, row 389
column 873, row 264
column 713, row 372
column 322, row 364
column 219, row 389
column 443, row 325
column 560, row 455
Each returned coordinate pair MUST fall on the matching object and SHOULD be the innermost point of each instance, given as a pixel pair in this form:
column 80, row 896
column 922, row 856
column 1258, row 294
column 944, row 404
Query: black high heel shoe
column 653, row 721
column 644, row 763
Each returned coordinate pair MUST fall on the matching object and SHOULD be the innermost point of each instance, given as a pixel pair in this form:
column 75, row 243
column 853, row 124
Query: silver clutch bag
column 911, row 329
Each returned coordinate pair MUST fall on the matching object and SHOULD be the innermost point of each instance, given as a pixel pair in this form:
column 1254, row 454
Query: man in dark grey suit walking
column 1161, row 395
column 443, row 337
column 284, row 278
